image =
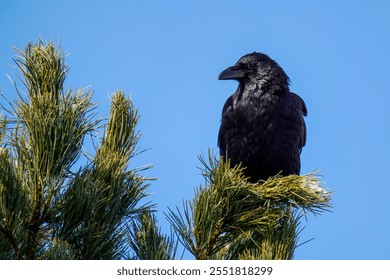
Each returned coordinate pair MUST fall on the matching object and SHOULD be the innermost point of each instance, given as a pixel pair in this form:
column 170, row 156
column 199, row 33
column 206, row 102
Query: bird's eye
column 250, row 66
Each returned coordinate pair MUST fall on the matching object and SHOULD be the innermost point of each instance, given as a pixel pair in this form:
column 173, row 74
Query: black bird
column 263, row 123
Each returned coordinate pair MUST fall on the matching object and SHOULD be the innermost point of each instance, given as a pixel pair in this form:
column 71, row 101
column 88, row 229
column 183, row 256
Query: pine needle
column 231, row 218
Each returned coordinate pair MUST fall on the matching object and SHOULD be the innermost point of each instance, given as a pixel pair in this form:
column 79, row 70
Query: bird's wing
column 227, row 109
column 302, row 105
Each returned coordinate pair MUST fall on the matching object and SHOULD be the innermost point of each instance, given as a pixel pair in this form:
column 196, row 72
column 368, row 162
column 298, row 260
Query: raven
column 263, row 123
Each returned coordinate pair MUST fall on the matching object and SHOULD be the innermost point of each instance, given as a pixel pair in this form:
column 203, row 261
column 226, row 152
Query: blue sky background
column 168, row 54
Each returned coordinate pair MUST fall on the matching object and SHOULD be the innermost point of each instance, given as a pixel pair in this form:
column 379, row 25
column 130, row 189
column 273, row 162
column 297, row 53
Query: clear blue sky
column 168, row 54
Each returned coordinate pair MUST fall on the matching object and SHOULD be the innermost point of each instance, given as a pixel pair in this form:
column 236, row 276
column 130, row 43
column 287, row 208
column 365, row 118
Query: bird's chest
column 258, row 114
column 258, row 122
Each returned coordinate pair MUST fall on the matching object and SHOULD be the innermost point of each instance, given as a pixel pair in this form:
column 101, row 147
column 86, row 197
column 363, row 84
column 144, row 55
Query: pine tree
column 47, row 209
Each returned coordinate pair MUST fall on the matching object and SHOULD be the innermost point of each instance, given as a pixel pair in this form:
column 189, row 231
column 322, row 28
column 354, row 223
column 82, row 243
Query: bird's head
column 255, row 67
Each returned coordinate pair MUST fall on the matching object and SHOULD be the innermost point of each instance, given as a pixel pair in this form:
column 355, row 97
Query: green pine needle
column 231, row 218
column 48, row 211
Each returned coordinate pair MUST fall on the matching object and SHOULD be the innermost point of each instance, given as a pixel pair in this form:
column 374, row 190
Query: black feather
column 262, row 122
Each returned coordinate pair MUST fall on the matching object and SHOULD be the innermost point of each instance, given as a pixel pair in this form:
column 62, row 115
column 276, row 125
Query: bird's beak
column 232, row 73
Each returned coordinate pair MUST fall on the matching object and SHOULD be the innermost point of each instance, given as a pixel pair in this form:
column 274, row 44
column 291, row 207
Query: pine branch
column 12, row 211
column 50, row 129
column 147, row 242
column 114, row 191
column 230, row 218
